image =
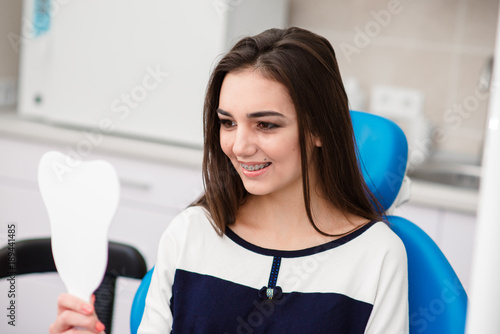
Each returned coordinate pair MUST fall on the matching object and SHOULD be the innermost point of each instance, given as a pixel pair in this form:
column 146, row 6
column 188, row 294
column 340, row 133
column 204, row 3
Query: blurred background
column 124, row 81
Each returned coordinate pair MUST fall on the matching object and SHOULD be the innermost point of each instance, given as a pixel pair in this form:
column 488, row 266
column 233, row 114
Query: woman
column 287, row 237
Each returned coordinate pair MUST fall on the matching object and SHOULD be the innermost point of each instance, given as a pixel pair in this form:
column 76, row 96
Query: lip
column 253, row 173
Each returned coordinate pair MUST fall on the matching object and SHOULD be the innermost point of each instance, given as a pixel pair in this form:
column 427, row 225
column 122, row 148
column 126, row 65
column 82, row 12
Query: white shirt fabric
column 205, row 283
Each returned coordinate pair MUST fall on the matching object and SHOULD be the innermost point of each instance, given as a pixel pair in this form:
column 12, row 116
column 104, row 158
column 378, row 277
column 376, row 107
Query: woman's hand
column 74, row 315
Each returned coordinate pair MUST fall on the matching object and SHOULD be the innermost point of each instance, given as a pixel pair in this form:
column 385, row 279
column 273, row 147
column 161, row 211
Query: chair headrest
column 382, row 155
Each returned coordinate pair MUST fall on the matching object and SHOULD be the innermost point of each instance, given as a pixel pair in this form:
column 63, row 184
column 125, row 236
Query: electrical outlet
column 8, row 92
column 396, row 102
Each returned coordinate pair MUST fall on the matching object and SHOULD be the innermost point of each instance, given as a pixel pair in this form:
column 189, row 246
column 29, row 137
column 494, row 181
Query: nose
column 244, row 144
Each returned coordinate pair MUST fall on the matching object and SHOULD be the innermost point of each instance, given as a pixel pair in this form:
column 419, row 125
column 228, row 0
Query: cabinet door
column 457, row 243
column 141, row 229
column 35, row 303
column 428, row 219
column 151, row 195
column 452, row 231
column 140, row 66
column 22, row 206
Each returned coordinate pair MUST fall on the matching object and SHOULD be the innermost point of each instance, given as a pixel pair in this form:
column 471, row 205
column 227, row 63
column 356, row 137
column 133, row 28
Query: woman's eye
column 267, row 126
column 226, row 123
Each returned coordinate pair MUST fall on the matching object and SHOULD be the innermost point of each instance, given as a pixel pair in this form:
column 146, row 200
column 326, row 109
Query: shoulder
column 380, row 239
column 188, row 220
column 191, row 223
column 383, row 231
column 186, row 239
column 380, row 256
column 193, row 214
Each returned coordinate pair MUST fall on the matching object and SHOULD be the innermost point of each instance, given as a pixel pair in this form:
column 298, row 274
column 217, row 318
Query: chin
column 262, row 190
column 257, row 191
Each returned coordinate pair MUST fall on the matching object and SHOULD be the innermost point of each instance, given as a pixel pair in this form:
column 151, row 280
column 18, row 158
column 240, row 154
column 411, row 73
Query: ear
column 317, row 141
column 314, row 140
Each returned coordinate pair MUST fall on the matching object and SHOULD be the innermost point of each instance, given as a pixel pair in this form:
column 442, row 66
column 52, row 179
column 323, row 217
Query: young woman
column 287, row 237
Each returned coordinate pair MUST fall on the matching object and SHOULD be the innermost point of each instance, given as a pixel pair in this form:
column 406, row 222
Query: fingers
column 70, row 302
column 75, row 316
column 69, row 322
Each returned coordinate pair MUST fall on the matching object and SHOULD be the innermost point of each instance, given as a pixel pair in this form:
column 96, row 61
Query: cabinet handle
column 137, row 185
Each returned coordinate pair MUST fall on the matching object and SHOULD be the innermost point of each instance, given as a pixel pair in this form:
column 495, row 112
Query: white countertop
column 13, row 126
column 442, row 196
column 422, row 193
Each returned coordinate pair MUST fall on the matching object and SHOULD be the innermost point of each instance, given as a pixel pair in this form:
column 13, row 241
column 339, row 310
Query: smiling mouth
column 253, row 168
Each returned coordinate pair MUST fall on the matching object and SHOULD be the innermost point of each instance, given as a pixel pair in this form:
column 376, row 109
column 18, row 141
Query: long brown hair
column 305, row 64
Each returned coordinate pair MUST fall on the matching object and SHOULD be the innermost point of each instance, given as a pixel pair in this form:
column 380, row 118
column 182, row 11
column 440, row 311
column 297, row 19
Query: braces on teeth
column 253, row 168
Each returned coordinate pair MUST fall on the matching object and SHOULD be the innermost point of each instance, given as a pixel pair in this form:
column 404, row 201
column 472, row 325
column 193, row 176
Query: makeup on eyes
column 256, row 114
column 225, row 122
column 268, row 125
column 273, row 119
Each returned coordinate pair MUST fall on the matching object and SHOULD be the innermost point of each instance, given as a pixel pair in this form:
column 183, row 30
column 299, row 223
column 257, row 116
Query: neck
column 279, row 213
column 281, row 222
column 276, row 224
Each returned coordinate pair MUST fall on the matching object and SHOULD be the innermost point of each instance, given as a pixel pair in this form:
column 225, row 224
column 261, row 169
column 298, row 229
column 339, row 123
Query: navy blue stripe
column 297, row 253
column 273, row 277
column 207, row 304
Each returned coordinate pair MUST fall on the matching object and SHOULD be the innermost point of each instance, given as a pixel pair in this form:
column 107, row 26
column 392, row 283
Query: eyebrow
column 255, row 114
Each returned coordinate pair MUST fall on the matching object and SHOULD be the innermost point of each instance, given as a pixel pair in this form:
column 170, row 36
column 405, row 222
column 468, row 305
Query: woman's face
column 259, row 133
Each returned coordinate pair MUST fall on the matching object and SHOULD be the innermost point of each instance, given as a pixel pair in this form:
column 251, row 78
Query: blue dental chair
column 437, row 299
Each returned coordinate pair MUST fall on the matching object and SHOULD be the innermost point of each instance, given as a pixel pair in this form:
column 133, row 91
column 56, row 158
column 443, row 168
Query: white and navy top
column 204, row 283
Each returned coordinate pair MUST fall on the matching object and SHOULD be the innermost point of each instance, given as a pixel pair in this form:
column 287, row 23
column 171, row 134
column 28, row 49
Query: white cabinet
column 457, row 243
column 426, row 218
column 452, row 231
column 128, row 66
column 152, row 193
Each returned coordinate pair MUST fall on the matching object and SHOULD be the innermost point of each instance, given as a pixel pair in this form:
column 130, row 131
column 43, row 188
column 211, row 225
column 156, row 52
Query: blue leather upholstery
column 382, row 154
column 139, row 302
column 437, row 300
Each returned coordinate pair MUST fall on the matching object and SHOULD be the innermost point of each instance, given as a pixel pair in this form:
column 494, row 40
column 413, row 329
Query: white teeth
column 253, row 168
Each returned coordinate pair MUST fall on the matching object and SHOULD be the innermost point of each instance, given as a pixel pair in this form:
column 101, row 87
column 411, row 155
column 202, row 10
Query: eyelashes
column 227, row 123
column 267, row 125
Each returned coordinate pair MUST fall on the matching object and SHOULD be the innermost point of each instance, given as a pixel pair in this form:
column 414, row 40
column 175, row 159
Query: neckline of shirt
column 301, row 252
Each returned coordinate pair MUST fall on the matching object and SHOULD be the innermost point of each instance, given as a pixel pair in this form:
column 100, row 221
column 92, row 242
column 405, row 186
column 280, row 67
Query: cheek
column 289, row 147
column 225, row 145
column 294, row 154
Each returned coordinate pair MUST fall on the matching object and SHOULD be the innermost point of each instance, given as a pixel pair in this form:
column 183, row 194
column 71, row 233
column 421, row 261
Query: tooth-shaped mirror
column 81, row 199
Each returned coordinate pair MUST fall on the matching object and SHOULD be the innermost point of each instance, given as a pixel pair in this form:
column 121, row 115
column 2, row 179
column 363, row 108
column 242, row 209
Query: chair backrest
column 139, row 302
column 35, row 256
column 382, row 154
column 437, row 300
